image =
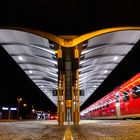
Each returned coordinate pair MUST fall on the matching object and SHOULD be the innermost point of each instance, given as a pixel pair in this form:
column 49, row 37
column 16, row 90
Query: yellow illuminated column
column 61, row 100
column 76, row 98
column 73, row 104
column 61, row 90
column 76, row 101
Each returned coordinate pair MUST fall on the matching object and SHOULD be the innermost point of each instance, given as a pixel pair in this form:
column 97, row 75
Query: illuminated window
column 126, row 96
column 136, row 91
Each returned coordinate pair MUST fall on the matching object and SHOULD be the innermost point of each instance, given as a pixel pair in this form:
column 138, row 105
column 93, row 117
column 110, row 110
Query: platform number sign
column 82, row 93
column 54, row 92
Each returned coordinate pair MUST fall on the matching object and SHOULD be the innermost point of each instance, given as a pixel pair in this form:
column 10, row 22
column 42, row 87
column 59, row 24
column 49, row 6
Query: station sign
column 82, row 93
column 54, row 93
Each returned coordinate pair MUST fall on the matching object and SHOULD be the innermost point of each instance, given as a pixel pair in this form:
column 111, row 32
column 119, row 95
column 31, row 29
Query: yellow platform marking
column 68, row 134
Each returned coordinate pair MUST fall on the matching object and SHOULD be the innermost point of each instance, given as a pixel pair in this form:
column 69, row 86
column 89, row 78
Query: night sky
column 64, row 18
column 69, row 17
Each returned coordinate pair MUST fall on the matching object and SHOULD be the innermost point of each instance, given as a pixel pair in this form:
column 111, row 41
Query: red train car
column 123, row 102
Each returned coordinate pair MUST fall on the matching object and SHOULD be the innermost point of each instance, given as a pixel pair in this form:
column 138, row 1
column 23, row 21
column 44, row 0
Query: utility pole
column 18, row 110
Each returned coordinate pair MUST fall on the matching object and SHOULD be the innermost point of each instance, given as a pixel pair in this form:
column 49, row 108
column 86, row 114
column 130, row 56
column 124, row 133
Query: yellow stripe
column 72, row 40
column 87, row 36
column 68, row 134
column 130, row 84
column 130, row 116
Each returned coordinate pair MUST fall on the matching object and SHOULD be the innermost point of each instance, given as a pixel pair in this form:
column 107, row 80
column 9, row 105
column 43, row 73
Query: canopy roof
column 101, row 55
column 36, row 56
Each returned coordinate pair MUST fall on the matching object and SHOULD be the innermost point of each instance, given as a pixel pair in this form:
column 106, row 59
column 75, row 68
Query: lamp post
column 18, row 110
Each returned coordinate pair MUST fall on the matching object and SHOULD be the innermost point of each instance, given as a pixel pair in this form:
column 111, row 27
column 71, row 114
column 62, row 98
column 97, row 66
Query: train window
column 126, row 96
column 136, row 91
column 107, row 103
column 117, row 98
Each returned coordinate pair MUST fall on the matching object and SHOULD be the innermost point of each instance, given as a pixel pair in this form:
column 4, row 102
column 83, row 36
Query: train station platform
column 87, row 130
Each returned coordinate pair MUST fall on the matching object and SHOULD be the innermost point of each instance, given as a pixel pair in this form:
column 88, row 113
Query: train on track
column 121, row 103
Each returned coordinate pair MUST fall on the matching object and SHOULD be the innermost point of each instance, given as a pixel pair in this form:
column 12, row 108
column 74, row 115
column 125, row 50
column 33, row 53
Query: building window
column 136, row 91
column 126, row 96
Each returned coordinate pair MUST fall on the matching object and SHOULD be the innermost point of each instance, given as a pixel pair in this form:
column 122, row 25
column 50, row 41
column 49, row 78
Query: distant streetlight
column 18, row 111
column 24, row 105
column 33, row 110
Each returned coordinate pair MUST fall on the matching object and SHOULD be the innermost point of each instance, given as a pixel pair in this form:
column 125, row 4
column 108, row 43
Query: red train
column 123, row 102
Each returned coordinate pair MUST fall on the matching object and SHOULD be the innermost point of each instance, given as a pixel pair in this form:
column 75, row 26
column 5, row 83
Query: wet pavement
column 107, row 130
column 87, row 130
column 31, row 130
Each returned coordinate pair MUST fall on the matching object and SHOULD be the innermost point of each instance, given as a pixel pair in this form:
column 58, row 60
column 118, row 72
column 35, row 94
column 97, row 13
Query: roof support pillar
column 68, row 106
column 76, row 92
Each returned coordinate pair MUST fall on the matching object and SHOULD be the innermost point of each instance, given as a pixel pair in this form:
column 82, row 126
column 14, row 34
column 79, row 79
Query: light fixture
column 42, row 86
column 19, row 99
column 105, row 71
column 30, row 71
column 24, row 105
column 13, row 108
column 20, row 58
column 5, row 108
column 115, row 58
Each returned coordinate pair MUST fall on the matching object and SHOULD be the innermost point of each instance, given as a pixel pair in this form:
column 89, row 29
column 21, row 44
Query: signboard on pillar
column 54, row 93
column 82, row 93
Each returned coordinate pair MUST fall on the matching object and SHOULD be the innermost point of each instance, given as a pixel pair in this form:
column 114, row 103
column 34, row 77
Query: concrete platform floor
column 87, row 130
